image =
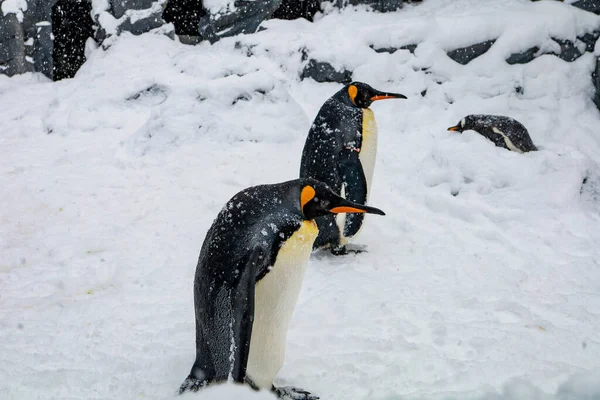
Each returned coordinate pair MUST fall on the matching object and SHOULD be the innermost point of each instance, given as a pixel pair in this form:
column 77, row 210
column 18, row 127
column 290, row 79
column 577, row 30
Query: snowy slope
column 482, row 282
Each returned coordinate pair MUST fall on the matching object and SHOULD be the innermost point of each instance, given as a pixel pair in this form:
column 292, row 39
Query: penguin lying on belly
column 340, row 151
column 502, row 131
column 248, row 278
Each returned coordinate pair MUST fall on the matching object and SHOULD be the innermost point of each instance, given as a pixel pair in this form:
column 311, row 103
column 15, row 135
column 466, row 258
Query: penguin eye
column 324, row 204
column 315, row 199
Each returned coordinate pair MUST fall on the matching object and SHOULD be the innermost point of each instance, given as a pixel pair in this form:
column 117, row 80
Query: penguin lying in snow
column 340, row 151
column 248, row 278
column 503, row 131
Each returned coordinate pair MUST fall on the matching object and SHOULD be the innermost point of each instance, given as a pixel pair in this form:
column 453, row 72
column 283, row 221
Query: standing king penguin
column 340, row 150
column 248, row 278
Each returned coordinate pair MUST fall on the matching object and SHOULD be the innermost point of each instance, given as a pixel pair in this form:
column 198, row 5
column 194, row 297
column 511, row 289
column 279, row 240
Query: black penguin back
column 488, row 125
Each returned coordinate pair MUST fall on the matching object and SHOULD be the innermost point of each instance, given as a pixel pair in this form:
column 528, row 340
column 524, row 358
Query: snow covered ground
column 482, row 282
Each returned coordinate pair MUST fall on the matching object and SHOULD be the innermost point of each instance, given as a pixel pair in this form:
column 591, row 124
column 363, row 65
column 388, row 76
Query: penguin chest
column 368, row 148
column 274, row 302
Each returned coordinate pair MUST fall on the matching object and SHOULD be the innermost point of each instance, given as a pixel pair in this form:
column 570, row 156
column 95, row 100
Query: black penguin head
column 362, row 95
column 467, row 123
column 317, row 200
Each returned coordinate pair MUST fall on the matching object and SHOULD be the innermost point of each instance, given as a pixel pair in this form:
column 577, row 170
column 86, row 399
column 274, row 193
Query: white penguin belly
column 274, row 302
column 368, row 149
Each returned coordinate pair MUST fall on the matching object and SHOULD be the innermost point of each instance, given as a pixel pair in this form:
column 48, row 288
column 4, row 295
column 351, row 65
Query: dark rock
column 9, row 49
column 37, row 25
column 142, row 25
column 524, row 57
column 464, row 55
column 246, row 18
column 324, row 72
column 12, row 46
column 590, row 40
column 409, row 47
column 119, row 7
column 185, row 16
column 392, row 50
column 568, row 51
column 189, row 39
column 588, row 5
column 43, row 46
column 377, row 5
column 294, row 9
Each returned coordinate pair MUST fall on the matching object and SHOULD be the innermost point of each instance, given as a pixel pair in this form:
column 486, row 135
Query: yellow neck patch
column 307, row 194
column 352, row 92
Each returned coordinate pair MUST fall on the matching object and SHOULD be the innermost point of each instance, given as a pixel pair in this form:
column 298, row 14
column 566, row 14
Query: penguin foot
column 292, row 393
column 343, row 250
column 339, row 250
column 192, row 384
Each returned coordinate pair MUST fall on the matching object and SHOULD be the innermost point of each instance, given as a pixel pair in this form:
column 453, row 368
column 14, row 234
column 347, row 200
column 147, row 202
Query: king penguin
column 502, row 131
column 248, row 278
column 340, row 151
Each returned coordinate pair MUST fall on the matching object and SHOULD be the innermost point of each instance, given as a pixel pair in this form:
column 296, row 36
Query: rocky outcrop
column 392, row 50
column 244, row 17
column 523, row 57
column 322, row 71
column 377, row 5
column 12, row 47
column 588, row 5
column 465, row 55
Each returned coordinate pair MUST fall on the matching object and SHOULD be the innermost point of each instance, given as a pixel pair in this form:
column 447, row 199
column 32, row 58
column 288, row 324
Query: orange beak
column 384, row 96
column 345, row 206
column 454, row 128
column 338, row 210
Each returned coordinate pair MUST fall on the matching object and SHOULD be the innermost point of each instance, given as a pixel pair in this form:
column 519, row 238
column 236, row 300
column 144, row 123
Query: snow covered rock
column 133, row 16
column 377, row 5
column 12, row 46
column 241, row 16
column 588, row 5
column 391, row 50
column 322, row 71
column 464, row 55
column 120, row 7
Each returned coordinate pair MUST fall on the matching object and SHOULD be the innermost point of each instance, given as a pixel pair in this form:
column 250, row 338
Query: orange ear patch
column 352, row 92
column 307, row 194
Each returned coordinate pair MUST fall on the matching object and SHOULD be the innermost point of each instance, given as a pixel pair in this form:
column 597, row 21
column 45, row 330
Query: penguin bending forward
column 340, row 150
column 502, row 131
column 248, row 278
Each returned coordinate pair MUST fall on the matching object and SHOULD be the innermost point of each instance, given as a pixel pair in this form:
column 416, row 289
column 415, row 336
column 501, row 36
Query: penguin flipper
column 242, row 312
column 355, row 186
column 232, row 308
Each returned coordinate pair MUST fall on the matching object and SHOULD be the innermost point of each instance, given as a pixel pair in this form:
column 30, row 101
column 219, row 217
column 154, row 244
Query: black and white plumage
column 248, row 278
column 340, row 150
column 502, row 131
